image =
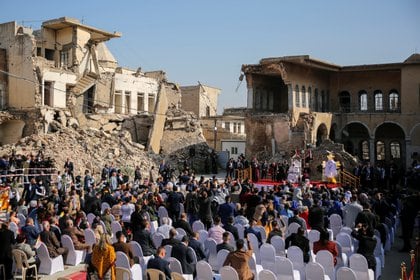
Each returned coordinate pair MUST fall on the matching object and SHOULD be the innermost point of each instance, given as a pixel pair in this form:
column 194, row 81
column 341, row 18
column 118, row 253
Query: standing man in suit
column 122, row 246
column 185, row 257
column 174, row 204
column 7, row 238
column 29, row 191
column 159, row 263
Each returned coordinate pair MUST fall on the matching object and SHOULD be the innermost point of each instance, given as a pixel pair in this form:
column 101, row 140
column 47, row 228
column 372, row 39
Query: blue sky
column 208, row 41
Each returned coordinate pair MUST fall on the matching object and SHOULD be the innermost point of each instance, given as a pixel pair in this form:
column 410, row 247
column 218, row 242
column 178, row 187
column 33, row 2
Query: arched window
column 297, row 96
column 365, row 150
column 316, row 100
column 394, row 101
column 310, row 98
column 363, row 100
column 379, row 100
column 395, row 149
column 380, row 150
column 303, row 97
column 344, row 99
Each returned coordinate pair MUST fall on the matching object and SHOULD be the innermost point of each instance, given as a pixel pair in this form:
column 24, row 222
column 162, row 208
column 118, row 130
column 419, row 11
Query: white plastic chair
column 162, row 212
column 255, row 268
column 292, row 228
column 221, row 257
column 198, row 225
column 48, row 265
column 346, row 273
column 266, row 275
column 104, row 206
column 228, row 273
column 22, row 219
column 181, row 233
column 279, row 246
column 295, row 254
column 157, row 238
column 203, row 235
column 122, row 273
column 232, row 241
column 193, row 254
column 387, row 246
column 268, row 256
column 74, row 257
column 241, row 231
column 346, row 243
column 379, row 251
column 313, row 237
column 90, row 237
column 255, row 247
column 138, row 252
column 342, row 259
column 175, row 266
column 336, row 223
column 284, row 269
column 210, row 246
column 262, row 231
column 90, row 217
column 346, row 230
column 326, row 259
column 315, row 271
column 204, row 271
column 122, row 261
column 168, row 249
column 115, row 227
column 360, row 266
column 14, row 227
column 20, row 261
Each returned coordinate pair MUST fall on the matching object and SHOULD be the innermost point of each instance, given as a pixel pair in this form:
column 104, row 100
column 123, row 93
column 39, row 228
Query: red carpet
column 269, row 183
column 81, row 275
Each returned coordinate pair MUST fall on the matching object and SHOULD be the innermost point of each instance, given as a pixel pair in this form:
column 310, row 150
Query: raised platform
column 269, row 183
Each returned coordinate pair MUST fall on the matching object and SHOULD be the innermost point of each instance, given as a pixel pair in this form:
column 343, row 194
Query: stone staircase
column 83, row 84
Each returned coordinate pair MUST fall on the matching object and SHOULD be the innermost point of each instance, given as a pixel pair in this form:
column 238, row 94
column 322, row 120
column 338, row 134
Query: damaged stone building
column 373, row 110
column 64, row 75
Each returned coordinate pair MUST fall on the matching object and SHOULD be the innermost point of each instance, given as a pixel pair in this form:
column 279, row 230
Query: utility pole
column 215, row 134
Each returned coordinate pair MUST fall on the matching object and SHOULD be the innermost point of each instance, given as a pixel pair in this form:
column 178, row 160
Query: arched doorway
column 321, row 134
column 11, row 131
column 390, row 144
column 354, row 136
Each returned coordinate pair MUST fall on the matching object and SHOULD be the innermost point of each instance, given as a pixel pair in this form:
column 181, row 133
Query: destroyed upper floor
column 301, row 84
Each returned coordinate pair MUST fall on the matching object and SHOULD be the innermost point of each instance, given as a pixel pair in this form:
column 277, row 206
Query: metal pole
column 215, row 134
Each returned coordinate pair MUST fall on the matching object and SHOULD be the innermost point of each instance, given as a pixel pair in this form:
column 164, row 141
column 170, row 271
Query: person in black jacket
column 171, row 240
column 173, row 203
column 204, row 211
column 231, row 228
column 7, row 238
column 182, row 223
column 225, row 244
column 180, row 252
column 144, row 238
column 367, row 243
column 298, row 239
column 159, row 263
column 197, row 246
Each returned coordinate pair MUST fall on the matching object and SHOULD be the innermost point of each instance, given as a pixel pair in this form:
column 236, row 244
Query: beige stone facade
column 66, row 68
column 373, row 110
column 200, row 99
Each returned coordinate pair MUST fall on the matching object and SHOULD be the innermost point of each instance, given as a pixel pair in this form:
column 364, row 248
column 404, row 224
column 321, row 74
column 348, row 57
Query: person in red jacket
column 325, row 243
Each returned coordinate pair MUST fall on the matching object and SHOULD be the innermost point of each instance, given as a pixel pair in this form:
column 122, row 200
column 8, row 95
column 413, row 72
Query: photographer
column 367, row 243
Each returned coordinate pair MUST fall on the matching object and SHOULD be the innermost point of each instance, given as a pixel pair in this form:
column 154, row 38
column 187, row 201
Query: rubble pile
column 196, row 156
column 89, row 148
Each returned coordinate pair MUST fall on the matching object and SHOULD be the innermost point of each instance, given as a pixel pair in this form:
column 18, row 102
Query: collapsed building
column 297, row 101
column 64, row 76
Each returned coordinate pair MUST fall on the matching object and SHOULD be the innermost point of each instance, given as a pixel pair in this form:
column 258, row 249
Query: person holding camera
column 367, row 243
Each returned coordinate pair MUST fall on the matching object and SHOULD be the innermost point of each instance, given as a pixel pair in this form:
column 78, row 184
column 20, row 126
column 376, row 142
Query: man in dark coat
column 144, row 238
column 182, row 223
column 185, row 257
column 197, row 246
column 173, row 202
column 7, row 238
column 171, row 240
column 50, row 240
column 316, row 217
column 225, row 244
column 231, row 228
column 159, row 263
column 122, row 246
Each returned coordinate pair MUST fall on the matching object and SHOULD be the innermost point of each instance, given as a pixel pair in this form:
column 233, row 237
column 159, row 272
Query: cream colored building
column 298, row 100
column 66, row 65
column 200, row 99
